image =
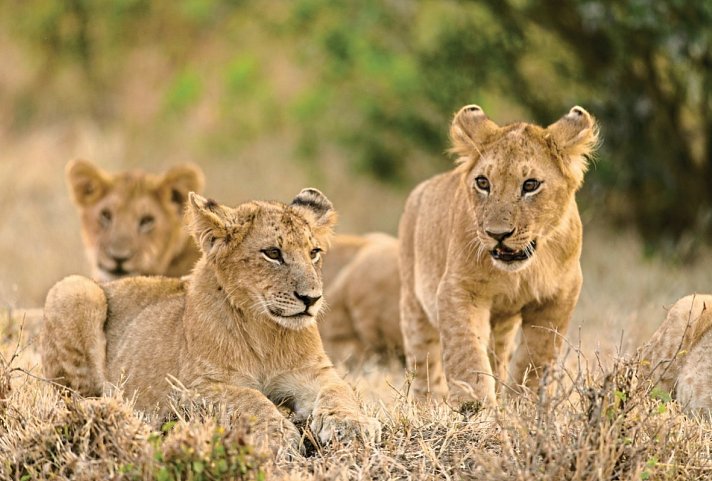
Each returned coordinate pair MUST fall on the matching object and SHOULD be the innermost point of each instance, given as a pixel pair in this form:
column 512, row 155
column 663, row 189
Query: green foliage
column 380, row 81
column 184, row 91
column 643, row 68
column 181, row 454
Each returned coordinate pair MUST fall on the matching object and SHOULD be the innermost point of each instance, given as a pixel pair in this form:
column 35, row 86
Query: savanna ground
column 597, row 422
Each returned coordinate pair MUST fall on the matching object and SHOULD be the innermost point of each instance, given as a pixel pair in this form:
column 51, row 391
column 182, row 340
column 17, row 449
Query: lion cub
column 488, row 246
column 132, row 222
column 678, row 356
column 240, row 330
column 363, row 315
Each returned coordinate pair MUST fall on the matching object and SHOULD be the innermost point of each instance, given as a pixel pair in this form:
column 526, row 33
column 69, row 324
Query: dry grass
column 596, row 421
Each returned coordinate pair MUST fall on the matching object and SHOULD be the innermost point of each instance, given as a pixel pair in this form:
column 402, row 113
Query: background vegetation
column 378, row 80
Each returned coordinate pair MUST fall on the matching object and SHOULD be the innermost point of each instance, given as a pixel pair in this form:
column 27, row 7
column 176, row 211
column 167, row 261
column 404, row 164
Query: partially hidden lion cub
column 132, row 222
column 363, row 315
column 678, row 358
column 240, row 330
column 488, row 246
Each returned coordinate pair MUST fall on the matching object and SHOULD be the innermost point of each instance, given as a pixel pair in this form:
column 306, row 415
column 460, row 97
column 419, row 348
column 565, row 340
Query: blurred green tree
column 381, row 78
column 396, row 70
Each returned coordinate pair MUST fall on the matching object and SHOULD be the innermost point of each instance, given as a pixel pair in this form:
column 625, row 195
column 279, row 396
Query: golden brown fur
column 464, row 293
column 132, row 222
column 342, row 250
column 678, row 358
column 363, row 315
column 240, row 330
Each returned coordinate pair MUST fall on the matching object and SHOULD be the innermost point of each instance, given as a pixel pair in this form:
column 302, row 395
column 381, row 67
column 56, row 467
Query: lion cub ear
column 470, row 129
column 214, row 225
column 576, row 136
column 318, row 210
column 87, row 183
column 179, row 181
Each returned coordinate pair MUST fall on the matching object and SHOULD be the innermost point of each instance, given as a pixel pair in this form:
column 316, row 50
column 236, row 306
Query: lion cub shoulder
column 677, row 357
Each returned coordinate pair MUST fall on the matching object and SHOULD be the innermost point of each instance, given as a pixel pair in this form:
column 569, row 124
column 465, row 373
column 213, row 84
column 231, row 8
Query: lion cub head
column 521, row 179
column 132, row 222
column 266, row 256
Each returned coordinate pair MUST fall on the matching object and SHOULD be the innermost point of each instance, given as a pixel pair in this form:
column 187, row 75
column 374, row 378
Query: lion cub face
column 132, row 222
column 520, row 178
column 267, row 256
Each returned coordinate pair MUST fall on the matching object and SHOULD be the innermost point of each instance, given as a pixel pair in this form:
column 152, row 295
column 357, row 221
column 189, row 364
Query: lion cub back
column 363, row 297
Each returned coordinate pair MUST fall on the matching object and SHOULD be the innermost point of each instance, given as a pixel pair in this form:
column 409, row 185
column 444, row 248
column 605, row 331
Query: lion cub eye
column 315, row 254
column 146, row 223
column 105, row 217
column 482, row 183
column 530, row 185
column 273, row 254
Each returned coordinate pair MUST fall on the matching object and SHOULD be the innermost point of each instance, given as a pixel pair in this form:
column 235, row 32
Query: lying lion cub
column 489, row 245
column 241, row 330
column 132, row 222
column 363, row 315
column 678, row 356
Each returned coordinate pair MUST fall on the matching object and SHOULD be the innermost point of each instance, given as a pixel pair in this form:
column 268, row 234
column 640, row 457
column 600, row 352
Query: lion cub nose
column 121, row 259
column 307, row 300
column 499, row 236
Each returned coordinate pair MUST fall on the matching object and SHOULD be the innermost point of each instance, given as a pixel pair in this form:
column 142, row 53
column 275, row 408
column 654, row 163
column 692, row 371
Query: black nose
column 120, row 260
column 307, row 300
column 500, row 236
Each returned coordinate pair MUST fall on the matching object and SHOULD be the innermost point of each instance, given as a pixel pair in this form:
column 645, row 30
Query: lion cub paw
column 280, row 437
column 332, row 428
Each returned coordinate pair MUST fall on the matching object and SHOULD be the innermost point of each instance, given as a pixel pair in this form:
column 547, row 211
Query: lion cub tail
column 73, row 342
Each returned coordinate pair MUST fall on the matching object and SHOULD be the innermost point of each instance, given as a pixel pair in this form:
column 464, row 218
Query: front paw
column 329, row 428
column 278, row 435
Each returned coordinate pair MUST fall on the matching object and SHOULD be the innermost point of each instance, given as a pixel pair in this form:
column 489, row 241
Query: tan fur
column 342, row 251
column 234, row 332
column 363, row 315
column 460, row 307
column 132, row 222
column 678, row 358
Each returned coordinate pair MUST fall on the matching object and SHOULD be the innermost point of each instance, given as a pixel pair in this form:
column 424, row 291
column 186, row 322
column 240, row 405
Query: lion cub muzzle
column 502, row 253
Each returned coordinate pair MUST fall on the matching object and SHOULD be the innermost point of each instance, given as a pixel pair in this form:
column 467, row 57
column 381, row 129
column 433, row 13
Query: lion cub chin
column 240, row 330
column 489, row 246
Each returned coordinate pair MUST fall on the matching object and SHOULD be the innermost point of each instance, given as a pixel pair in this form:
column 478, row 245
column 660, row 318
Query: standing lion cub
column 241, row 330
column 488, row 246
column 132, row 222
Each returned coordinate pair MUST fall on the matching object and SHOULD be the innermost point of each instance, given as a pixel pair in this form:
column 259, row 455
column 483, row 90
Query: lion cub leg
column 335, row 411
column 504, row 332
column 73, row 343
column 270, row 429
column 543, row 328
column 421, row 343
column 465, row 336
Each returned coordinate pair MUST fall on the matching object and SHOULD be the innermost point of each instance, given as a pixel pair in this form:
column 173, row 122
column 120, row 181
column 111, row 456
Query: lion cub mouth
column 296, row 321
column 505, row 254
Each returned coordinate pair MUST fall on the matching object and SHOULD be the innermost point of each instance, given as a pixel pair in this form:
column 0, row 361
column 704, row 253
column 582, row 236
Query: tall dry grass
column 594, row 421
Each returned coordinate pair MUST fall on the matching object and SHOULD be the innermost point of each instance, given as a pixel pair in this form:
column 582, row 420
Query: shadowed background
column 355, row 98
